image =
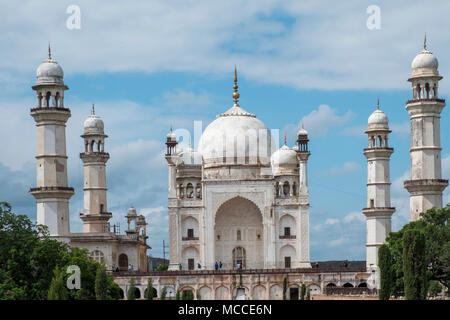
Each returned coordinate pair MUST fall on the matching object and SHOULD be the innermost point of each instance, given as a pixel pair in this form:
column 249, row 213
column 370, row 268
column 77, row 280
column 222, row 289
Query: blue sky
column 149, row 64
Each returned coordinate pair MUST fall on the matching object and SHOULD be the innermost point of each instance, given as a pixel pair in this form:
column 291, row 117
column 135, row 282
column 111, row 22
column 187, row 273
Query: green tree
column 28, row 258
column 385, row 265
column 164, row 293
column 308, row 294
column 414, row 265
column 187, row 295
column 177, row 295
column 436, row 227
column 113, row 289
column 131, row 295
column 57, row 289
column 284, row 287
column 101, row 283
column 434, row 223
column 302, row 292
column 149, row 293
column 162, row 267
column 434, row 288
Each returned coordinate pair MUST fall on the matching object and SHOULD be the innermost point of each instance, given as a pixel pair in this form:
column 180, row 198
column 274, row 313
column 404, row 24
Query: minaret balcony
column 94, row 156
column 53, row 109
column 421, row 185
column 378, row 152
column 95, row 216
column 41, row 114
column 418, row 107
column 378, row 211
column 425, row 100
column 52, row 192
column 379, row 149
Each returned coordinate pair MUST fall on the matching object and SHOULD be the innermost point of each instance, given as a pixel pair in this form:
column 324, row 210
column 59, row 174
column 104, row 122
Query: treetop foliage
column 28, row 258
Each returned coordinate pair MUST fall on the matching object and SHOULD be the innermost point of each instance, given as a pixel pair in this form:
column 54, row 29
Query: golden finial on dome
column 49, row 52
column 285, row 139
column 93, row 110
column 378, row 103
column 425, row 42
column 235, row 87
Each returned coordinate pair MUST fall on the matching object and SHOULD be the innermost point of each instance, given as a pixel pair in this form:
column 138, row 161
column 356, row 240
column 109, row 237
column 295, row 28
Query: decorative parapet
column 190, row 202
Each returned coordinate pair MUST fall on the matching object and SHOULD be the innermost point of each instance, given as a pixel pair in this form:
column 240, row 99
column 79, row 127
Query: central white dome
column 236, row 137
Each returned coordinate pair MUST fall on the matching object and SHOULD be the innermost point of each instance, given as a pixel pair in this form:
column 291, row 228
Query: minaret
column 378, row 211
column 171, row 157
column 95, row 216
column 426, row 185
column 52, row 193
column 302, row 156
column 171, row 153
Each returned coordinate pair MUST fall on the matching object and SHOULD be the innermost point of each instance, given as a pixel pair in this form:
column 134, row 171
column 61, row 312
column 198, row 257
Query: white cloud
column 347, row 168
column 397, row 184
column 319, row 121
column 354, row 216
column 300, row 44
column 446, row 199
column 401, row 129
column 446, row 166
column 331, row 221
column 182, row 98
column 354, row 131
column 151, row 212
column 401, row 215
column 18, row 132
column 337, row 242
column 157, row 228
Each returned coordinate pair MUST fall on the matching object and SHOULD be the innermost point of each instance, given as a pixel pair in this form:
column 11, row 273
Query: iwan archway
column 238, row 235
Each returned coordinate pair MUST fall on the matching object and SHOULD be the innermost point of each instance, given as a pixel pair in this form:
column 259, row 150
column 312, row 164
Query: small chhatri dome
column 302, row 131
column 378, row 119
column 171, row 136
column 49, row 71
column 284, row 157
column 132, row 211
column 425, row 63
column 190, row 156
column 93, row 124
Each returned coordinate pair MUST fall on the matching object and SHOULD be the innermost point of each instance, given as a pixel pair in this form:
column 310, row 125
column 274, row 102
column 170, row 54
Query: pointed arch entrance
column 238, row 234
